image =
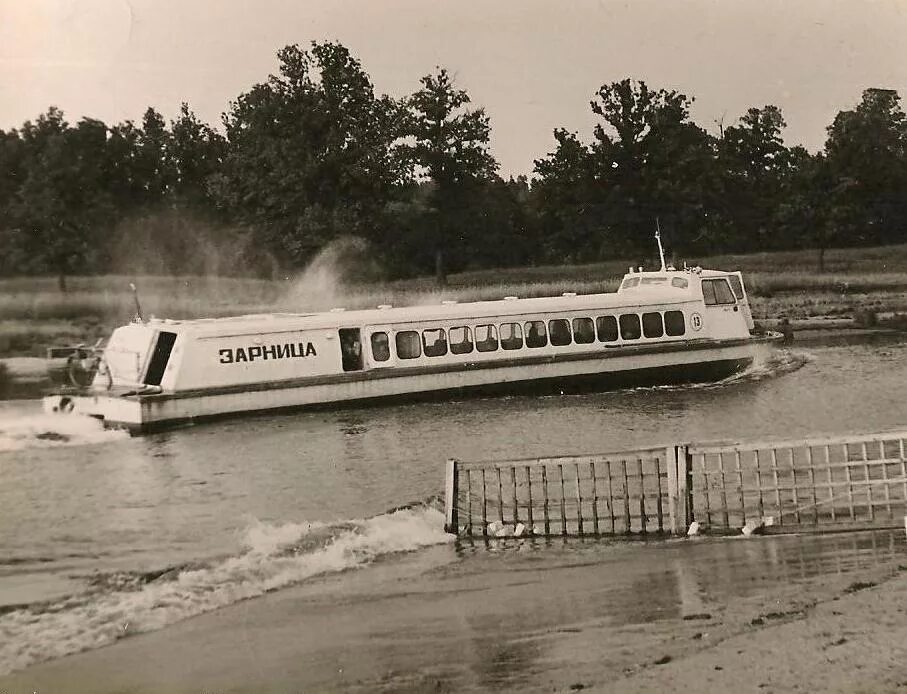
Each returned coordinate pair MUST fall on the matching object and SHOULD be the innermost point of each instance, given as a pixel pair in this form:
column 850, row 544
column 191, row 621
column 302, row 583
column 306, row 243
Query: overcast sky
column 533, row 64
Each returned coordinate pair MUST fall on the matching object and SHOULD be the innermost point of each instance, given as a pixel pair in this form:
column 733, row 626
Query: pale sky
column 533, row 64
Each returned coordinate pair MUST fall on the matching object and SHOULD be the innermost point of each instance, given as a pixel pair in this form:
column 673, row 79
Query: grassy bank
column 34, row 313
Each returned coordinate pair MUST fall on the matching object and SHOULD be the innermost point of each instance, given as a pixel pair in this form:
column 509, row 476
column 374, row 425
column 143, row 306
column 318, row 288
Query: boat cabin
column 716, row 288
column 649, row 308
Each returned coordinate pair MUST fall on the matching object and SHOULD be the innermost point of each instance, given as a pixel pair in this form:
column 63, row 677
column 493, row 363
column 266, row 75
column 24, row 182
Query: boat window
column 583, row 331
column 629, row 326
column 460, row 340
column 607, row 328
column 350, row 349
column 652, row 325
column 736, row 285
column 408, row 344
column 674, row 325
column 536, row 335
column 680, row 282
column 723, row 292
column 486, row 338
column 434, row 342
column 381, row 350
column 629, row 283
column 511, row 336
column 559, row 332
column 654, row 280
column 717, row 292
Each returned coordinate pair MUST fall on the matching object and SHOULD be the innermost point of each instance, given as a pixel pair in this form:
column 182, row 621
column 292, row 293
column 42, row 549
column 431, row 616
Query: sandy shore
column 847, row 641
column 760, row 615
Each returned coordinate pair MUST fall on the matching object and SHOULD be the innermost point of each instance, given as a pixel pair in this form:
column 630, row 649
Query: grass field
column 35, row 314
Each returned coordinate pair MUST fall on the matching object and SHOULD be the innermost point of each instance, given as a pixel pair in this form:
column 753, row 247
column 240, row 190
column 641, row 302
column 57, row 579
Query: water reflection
column 640, row 581
column 568, row 586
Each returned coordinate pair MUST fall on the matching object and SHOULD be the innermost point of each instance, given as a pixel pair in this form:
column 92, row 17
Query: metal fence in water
column 610, row 493
column 845, row 482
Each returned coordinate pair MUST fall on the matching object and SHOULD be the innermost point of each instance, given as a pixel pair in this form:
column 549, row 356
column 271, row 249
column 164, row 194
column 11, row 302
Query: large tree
column 154, row 168
column 866, row 153
column 449, row 146
column 754, row 166
column 809, row 213
column 62, row 207
column 310, row 153
column 13, row 167
column 568, row 201
column 195, row 152
column 647, row 164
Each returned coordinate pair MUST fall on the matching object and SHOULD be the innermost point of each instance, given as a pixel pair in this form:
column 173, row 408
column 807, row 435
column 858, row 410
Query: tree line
column 312, row 154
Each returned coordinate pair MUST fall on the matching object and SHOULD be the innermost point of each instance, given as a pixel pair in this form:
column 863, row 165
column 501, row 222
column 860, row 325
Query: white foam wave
column 276, row 557
column 21, row 431
column 774, row 363
column 765, row 365
column 267, row 538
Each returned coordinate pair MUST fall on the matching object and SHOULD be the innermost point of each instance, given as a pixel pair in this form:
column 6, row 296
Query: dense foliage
column 313, row 154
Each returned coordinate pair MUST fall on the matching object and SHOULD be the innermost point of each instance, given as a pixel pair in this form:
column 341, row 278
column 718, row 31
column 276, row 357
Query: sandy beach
column 819, row 613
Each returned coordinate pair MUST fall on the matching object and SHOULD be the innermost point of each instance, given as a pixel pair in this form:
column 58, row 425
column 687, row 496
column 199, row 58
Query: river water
column 99, row 530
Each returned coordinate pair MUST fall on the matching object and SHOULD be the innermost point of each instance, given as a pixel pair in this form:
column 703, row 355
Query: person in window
column 535, row 334
column 380, row 347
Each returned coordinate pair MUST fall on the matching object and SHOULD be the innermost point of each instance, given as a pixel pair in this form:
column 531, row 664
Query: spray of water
column 273, row 556
column 770, row 362
column 331, row 279
column 173, row 242
column 24, row 430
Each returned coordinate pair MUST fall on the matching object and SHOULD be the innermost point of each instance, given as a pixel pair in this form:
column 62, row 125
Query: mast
column 138, row 317
column 661, row 250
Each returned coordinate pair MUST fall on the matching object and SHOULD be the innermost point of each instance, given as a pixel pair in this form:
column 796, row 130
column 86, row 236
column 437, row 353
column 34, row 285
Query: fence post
column 451, row 517
column 678, row 506
column 673, row 489
column 684, row 468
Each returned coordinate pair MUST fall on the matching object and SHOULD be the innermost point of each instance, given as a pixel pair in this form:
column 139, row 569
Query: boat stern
column 117, row 412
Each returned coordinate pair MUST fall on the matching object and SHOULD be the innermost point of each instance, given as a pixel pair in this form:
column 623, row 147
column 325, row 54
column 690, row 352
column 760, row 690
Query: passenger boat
column 660, row 327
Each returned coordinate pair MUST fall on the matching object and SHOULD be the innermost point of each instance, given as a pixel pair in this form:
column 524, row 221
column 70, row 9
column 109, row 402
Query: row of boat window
column 558, row 332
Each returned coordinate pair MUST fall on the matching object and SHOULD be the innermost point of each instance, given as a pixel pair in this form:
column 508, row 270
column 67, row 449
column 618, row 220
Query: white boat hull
column 606, row 369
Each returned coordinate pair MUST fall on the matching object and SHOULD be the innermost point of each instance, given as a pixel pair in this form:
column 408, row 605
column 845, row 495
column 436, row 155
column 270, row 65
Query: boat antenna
column 661, row 250
column 137, row 318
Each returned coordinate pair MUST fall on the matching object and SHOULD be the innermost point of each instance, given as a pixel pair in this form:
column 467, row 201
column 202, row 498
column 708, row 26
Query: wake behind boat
column 663, row 327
